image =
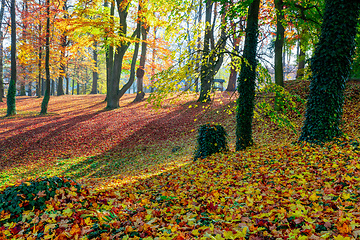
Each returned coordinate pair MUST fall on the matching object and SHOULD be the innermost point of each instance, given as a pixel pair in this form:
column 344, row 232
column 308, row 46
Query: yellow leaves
column 340, row 237
column 195, row 232
column 67, row 212
column 313, row 197
column 4, row 215
column 345, row 196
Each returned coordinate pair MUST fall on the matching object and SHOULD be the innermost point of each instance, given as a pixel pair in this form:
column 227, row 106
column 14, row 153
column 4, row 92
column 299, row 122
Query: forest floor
column 138, row 180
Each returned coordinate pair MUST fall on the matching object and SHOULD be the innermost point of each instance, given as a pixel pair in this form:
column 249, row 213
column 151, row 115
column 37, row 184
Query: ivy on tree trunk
column 246, row 81
column 11, row 108
column 330, row 68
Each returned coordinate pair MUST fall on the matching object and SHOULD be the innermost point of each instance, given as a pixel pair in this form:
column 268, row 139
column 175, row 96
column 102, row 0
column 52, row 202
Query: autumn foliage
column 134, row 187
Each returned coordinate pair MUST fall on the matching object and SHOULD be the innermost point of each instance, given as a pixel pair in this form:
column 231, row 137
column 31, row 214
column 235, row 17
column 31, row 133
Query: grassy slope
column 274, row 189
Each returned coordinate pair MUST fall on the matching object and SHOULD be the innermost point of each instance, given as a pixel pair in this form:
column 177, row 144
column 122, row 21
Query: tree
column 1, row 50
column 114, row 93
column 141, row 69
column 95, row 73
column 330, row 68
column 246, row 81
column 11, row 107
column 212, row 56
column 45, row 102
column 279, row 44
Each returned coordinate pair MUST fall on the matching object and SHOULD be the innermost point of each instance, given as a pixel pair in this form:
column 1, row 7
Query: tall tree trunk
column 246, row 81
column 330, row 68
column 1, row 66
column 205, row 81
column 60, row 86
column 52, row 88
column 231, row 87
column 39, row 83
column 29, row 89
column 198, row 57
column 279, row 44
column 301, row 60
column 22, row 88
column 1, row 51
column 141, row 69
column 109, row 53
column 11, row 108
column 67, row 84
column 95, row 73
column 114, row 93
column 45, row 102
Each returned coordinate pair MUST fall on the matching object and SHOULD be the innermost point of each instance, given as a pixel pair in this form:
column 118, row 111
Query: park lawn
column 137, row 185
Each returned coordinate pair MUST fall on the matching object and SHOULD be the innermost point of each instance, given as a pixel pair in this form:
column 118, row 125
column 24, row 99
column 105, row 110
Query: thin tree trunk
column 39, row 83
column 141, row 69
column 197, row 66
column 279, row 44
column 95, row 73
column 231, row 87
column 22, row 88
column 67, row 84
column 1, row 51
column 205, row 81
column 45, row 102
column 301, row 61
column 11, row 107
column 246, row 81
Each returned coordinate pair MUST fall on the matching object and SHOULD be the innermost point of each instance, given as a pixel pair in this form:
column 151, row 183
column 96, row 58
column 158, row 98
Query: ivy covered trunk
column 246, row 81
column 11, row 107
column 330, row 68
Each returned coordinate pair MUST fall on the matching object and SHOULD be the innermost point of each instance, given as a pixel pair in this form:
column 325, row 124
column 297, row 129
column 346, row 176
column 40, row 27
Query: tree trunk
column 279, row 44
column 39, row 83
column 141, row 69
column 45, row 102
column 114, row 94
column 67, row 84
column 11, row 107
column 109, row 54
column 29, row 89
column 231, row 87
column 205, row 79
column 330, row 68
column 52, row 90
column 1, row 51
column 246, row 81
column 60, row 86
column 95, row 73
column 301, row 61
column 22, row 89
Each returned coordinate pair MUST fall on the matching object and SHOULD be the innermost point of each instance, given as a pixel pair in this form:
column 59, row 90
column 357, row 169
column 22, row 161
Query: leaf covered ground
column 137, row 183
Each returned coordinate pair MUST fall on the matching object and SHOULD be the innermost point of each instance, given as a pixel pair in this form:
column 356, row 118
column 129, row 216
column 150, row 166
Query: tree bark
column 1, row 51
column 11, row 107
column 301, row 61
column 279, row 44
column 141, row 69
column 205, row 80
column 114, row 94
column 330, row 69
column 246, row 81
column 95, row 73
column 45, row 102
column 60, row 86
